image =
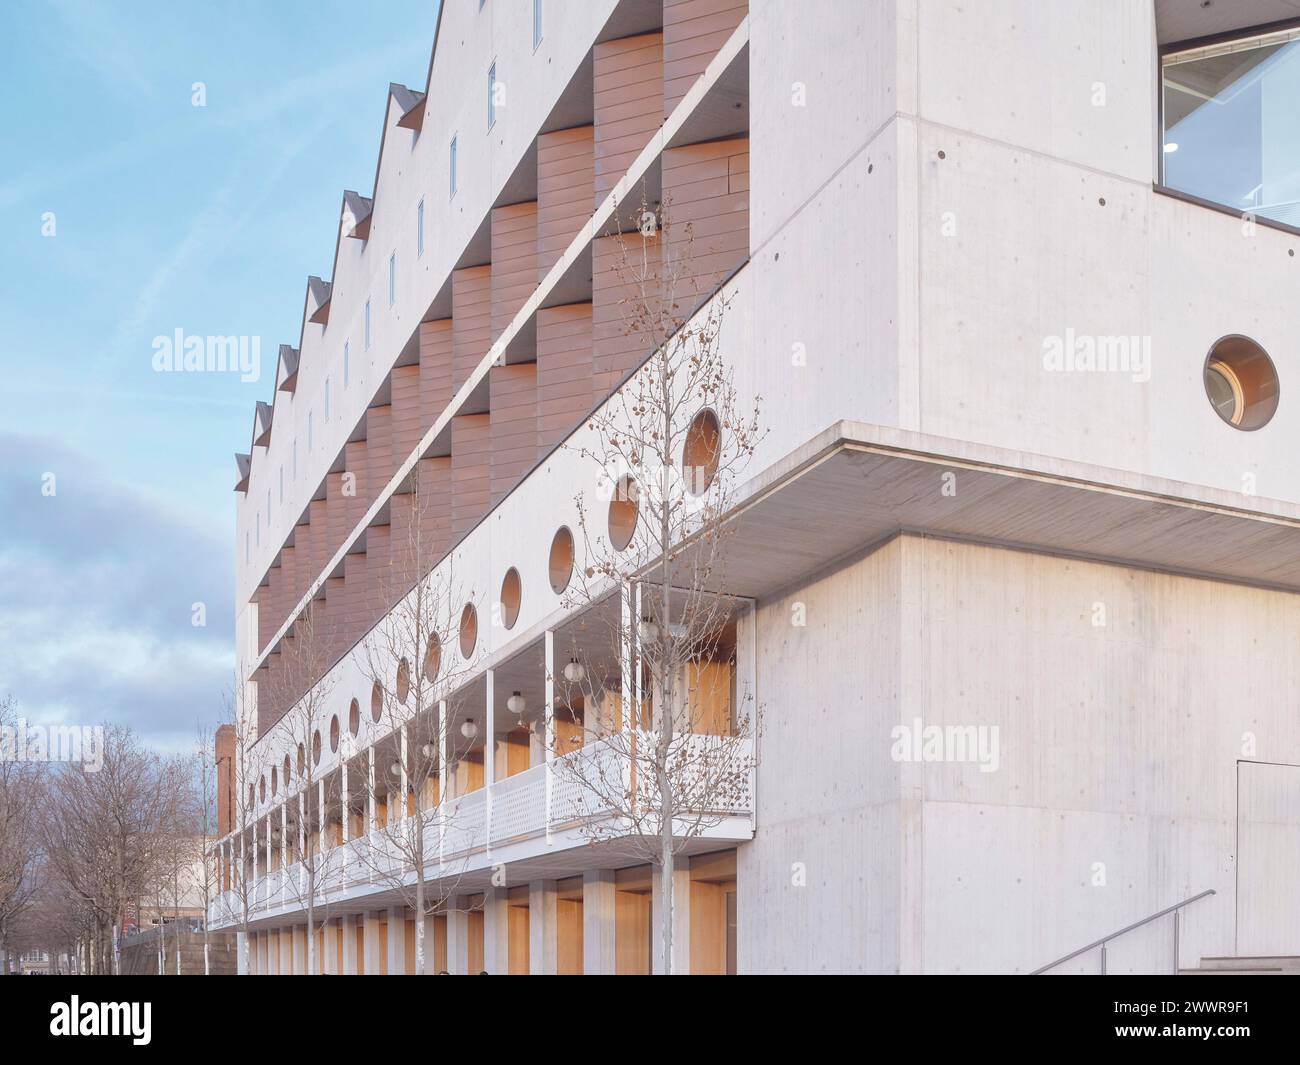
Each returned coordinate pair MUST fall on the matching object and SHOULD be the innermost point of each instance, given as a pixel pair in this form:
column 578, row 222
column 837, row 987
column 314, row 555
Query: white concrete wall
column 1116, row 790
column 820, row 887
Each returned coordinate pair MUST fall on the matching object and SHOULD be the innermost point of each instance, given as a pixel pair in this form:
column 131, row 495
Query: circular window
column 354, row 718
column 261, row 789
column 334, row 733
column 275, row 783
column 315, row 747
column 623, row 510
column 432, row 657
column 1241, row 383
column 376, row 702
column 252, row 795
column 403, row 680
column 302, row 759
column 561, row 559
column 511, row 594
column 468, row 630
column 287, row 776
column 700, row 452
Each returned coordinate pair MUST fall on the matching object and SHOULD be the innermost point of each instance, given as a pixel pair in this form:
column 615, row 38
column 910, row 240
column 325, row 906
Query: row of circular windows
column 700, row 455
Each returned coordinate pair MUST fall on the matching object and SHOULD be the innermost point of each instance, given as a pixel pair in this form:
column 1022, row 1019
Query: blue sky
column 165, row 216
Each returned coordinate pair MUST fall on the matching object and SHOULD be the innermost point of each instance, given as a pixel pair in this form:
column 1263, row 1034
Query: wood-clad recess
column 565, row 180
column 628, row 104
column 694, row 31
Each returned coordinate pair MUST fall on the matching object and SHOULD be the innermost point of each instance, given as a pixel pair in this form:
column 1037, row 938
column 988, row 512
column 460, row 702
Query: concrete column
column 299, row 950
column 241, row 954
column 496, row 931
column 396, row 940
column 430, row 966
column 443, row 780
column 374, row 956
column 681, row 920
column 543, row 944
column 271, row 953
column 343, row 798
column 598, row 958
column 348, row 929
column 405, row 778
column 370, row 791
column 457, row 936
column 284, row 852
column 329, row 960
column 548, row 732
column 490, row 755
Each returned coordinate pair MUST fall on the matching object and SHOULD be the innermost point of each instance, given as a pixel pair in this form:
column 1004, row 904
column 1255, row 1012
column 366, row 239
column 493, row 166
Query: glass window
column 492, row 95
column 346, row 356
column 1231, row 125
column 392, row 279
column 367, row 325
column 537, row 23
column 453, row 166
column 419, row 229
column 327, row 399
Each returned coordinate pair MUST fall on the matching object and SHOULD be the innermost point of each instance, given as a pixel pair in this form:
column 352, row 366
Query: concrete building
column 1019, row 553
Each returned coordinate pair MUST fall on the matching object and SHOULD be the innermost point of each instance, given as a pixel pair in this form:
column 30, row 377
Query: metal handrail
column 1129, row 928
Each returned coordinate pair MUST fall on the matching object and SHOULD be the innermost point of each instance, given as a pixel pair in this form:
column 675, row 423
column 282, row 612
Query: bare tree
column 652, row 682
column 417, row 689
column 304, row 685
column 21, row 789
column 103, row 832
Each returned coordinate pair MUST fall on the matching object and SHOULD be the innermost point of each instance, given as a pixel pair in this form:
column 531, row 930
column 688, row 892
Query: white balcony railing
column 541, row 801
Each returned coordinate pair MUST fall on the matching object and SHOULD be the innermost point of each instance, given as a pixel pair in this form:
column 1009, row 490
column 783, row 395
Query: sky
column 136, row 203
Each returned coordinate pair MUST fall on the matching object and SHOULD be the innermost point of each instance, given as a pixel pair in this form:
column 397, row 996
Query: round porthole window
column 334, row 733
column 1241, row 383
column 511, row 596
column 403, row 680
column 623, row 510
column 315, row 747
column 275, row 783
column 432, row 657
column 561, row 563
column 354, row 718
column 700, row 452
column 468, row 630
column 376, row 702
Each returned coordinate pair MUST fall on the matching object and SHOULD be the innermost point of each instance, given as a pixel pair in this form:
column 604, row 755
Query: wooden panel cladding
column 694, row 31
column 471, row 320
column 629, row 104
column 404, row 384
column 434, row 507
column 632, row 921
column 713, row 913
column 565, row 392
column 619, row 272
column 565, row 180
column 471, row 470
column 514, row 262
column 379, row 448
column 514, row 425
column 435, row 370
column 379, row 581
column 706, row 190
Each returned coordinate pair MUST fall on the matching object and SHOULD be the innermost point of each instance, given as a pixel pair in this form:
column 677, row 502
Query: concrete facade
column 1087, row 578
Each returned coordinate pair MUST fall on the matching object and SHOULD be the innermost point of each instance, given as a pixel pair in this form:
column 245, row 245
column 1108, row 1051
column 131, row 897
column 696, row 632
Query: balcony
column 542, row 822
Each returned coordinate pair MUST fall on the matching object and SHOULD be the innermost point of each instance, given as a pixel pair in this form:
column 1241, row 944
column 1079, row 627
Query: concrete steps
column 1283, row 965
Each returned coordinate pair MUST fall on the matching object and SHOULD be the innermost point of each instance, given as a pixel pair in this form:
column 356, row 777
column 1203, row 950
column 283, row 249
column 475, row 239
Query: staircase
column 1265, row 966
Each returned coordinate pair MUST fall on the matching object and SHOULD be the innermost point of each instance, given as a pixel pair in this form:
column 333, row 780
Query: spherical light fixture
column 516, row 704
column 427, row 750
column 575, row 672
column 649, row 630
column 396, row 769
column 469, row 728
